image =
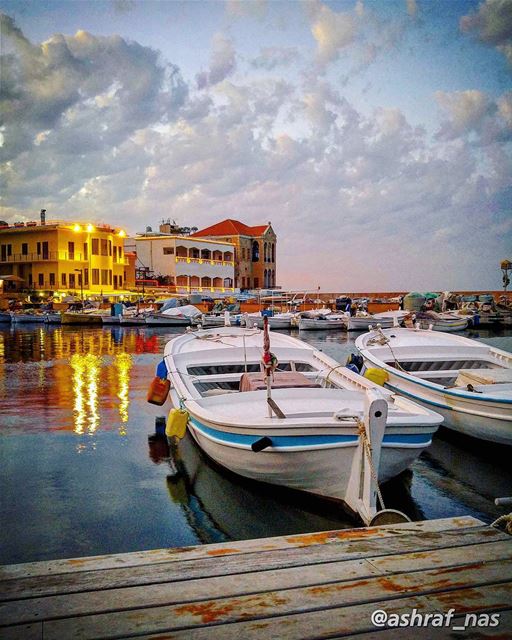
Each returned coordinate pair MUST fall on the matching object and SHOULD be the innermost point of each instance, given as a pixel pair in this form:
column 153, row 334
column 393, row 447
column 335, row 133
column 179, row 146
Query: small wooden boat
column 468, row 382
column 440, row 321
column 175, row 317
column 19, row 317
column 277, row 321
column 309, row 437
column 324, row 322
column 363, row 321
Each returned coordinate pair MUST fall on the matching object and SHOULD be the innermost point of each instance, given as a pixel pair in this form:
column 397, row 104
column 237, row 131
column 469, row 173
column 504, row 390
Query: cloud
column 243, row 8
column 332, row 31
column 222, row 62
column 272, row 57
column 465, row 110
column 412, row 8
column 491, row 25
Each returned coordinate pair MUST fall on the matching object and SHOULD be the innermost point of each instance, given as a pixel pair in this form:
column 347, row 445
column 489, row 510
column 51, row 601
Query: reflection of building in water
column 86, row 376
column 181, row 492
column 123, row 364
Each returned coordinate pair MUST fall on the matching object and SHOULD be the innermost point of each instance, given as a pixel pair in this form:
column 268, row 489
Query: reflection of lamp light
column 123, row 363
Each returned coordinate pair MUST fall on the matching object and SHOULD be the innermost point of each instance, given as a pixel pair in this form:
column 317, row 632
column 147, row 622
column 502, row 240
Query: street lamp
column 506, row 266
column 81, row 272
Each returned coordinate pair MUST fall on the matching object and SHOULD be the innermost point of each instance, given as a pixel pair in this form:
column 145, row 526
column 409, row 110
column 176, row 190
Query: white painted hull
column 445, row 325
column 26, row 317
column 363, row 323
column 313, row 324
column 110, row 320
column 167, row 321
column 274, row 322
column 485, row 414
column 132, row 321
column 325, row 472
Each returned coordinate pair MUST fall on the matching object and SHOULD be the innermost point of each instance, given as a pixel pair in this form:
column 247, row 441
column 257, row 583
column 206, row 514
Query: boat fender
column 379, row 376
column 261, row 444
column 176, row 425
column 158, row 391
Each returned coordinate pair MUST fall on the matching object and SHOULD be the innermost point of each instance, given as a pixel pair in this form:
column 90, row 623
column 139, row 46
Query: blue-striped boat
column 306, row 438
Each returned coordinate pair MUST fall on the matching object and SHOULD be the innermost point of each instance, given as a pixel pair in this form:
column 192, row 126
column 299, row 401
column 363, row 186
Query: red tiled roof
column 231, row 227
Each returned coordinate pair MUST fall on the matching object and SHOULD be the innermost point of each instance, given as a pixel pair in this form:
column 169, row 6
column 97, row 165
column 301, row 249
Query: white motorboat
column 176, row 316
column 111, row 319
column 18, row 317
column 218, row 377
column 445, row 321
column 277, row 321
column 132, row 320
column 363, row 321
column 467, row 381
column 52, row 317
column 324, row 322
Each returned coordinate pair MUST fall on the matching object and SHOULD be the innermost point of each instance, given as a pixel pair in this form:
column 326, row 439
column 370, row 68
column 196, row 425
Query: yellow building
column 63, row 257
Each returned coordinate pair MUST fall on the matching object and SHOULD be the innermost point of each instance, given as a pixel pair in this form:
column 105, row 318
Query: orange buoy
column 158, row 391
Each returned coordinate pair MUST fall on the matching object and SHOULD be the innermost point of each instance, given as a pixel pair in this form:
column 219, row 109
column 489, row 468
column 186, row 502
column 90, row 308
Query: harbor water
column 79, row 476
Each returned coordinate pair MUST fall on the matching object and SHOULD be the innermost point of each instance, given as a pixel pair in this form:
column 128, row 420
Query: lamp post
column 81, row 272
column 506, row 266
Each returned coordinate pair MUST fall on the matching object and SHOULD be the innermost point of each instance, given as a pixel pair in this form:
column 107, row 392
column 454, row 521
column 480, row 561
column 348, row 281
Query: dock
column 319, row 585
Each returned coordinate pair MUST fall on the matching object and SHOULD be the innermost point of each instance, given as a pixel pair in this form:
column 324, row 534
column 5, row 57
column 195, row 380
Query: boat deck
column 320, row 585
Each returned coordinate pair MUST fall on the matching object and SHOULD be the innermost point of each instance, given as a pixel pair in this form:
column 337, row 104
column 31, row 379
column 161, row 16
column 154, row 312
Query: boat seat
column 280, row 380
column 483, row 377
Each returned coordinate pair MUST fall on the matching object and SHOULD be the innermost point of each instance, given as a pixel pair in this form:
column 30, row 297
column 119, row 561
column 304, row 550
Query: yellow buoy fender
column 379, row 376
column 176, row 425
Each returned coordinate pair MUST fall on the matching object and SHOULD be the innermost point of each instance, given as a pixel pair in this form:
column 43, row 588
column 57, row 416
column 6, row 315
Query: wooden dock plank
column 23, row 632
column 470, row 578
column 73, row 565
column 337, row 622
column 252, row 582
column 347, row 549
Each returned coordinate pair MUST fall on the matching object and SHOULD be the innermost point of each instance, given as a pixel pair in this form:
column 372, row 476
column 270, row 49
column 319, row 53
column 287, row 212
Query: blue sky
column 376, row 136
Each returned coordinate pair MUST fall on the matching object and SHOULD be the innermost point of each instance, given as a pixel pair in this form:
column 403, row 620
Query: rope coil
column 368, row 451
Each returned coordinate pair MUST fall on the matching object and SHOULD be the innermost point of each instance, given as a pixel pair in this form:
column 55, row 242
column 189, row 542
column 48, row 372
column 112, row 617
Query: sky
column 376, row 137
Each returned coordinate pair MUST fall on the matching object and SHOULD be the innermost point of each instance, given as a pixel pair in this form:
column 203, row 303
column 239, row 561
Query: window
column 120, row 253
column 104, row 276
column 168, row 251
column 115, row 279
column 110, row 277
column 86, row 251
column 95, row 247
column 95, row 276
column 71, row 250
column 40, row 279
column 63, row 280
column 110, row 247
column 52, row 279
column 24, row 249
column 9, row 249
column 115, row 253
column 86, row 277
column 71, row 280
column 104, row 247
column 255, row 252
column 38, row 248
column 256, row 283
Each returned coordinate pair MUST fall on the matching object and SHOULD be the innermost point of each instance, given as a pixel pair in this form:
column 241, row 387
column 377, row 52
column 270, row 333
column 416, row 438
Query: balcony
column 224, row 263
column 50, row 256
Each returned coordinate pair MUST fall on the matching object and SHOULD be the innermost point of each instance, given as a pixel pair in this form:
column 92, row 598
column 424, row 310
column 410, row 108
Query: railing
column 224, row 263
column 50, row 256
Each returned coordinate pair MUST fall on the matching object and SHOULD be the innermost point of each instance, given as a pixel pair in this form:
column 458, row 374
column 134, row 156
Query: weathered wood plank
column 346, row 549
column 291, row 601
column 23, row 632
column 344, row 621
column 133, row 559
column 171, row 593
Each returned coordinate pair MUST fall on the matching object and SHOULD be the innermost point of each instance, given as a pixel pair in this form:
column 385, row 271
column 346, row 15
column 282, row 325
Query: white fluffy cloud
column 103, row 128
column 492, row 25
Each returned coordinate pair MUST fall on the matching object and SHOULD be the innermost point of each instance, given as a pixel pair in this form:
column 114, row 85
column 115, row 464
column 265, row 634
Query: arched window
column 265, row 252
column 217, row 255
column 194, row 281
column 228, row 282
column 228, row 256
column 193, row 252
column 273, row 253
column 182, row 252
column 265, row 278
column 273, row 278
column 255, row 251
column 217, row 282
column 206, row 254
column 182, row 281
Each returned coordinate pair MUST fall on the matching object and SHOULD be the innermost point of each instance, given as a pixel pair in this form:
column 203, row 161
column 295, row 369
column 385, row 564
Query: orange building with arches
column 255, row 251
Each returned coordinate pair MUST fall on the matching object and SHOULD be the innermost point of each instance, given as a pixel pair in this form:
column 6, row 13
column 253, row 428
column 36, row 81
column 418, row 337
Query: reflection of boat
column 467, row 381
column 218, row 378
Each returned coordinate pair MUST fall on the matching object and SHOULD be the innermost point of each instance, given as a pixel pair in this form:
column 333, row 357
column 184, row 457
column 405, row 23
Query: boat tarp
column 188, row 310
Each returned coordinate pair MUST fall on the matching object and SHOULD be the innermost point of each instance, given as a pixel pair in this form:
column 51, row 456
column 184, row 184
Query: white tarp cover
column 188, row 310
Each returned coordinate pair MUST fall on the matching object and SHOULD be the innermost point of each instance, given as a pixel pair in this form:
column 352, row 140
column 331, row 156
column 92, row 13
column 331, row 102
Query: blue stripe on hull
column 418, row 439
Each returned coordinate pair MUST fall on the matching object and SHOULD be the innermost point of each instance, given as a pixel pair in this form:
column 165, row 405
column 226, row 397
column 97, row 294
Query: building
column 255, row 251
column 184, row 263
column 63, row 257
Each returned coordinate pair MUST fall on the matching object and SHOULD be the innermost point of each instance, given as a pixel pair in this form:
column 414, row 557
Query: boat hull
column 81, row 318
column 309, row 324
column 324, row 471
column 168, row 321
column 26, row 317
column 363, row 324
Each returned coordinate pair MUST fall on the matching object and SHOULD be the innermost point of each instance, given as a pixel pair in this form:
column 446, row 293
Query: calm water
column 79, row 477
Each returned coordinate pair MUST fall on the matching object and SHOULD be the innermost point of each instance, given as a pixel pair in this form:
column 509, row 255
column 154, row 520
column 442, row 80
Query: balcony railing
column 224, row 263
column 53, row 256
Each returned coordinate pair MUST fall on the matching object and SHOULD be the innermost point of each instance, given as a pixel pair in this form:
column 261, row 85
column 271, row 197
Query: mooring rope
column 368, row 451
